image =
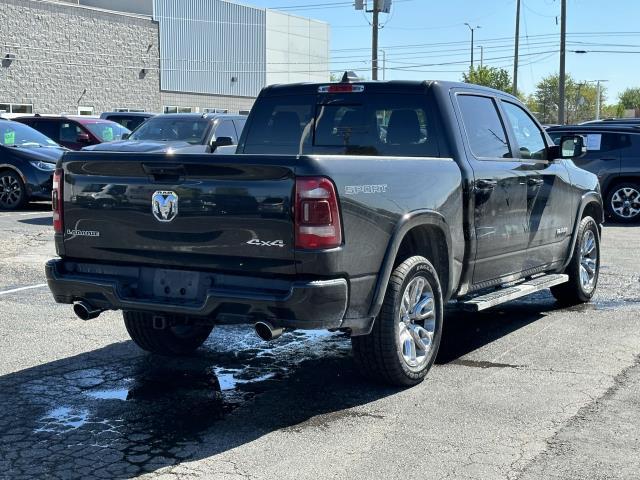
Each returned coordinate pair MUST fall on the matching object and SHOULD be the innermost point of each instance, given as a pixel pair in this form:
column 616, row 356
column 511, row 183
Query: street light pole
column 471, row 29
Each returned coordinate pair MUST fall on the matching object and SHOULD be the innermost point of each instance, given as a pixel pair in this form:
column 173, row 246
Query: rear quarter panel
column 375, row 194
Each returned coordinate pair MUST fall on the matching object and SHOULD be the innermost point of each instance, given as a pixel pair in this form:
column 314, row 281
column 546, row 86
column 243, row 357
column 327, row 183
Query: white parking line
column 30, row 287
column 25, row 214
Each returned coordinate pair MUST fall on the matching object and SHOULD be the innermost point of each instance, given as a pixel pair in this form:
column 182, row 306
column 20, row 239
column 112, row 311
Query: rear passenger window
column 485, row 132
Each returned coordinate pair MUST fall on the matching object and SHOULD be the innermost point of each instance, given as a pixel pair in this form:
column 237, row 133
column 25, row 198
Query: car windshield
column 14, row 134
column 188, row 129
column 107, row 131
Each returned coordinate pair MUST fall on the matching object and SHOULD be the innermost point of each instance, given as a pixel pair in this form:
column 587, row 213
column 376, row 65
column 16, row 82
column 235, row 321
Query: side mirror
column 83, row 138
column 223, row 141
column 570, row 147
column 125, row 136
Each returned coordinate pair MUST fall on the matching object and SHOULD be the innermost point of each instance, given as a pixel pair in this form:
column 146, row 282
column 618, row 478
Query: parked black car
column 27, row 162
column 130, row 120
column 75, row 132
column 629, row 122
column 613, row 154
column 359, row 207
column 184, row 132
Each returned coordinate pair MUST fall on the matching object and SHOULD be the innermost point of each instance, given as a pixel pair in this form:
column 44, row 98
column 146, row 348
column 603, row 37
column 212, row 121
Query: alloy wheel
column 417, row 322
column 588, row 261
column 625, row 202
column 10, row 191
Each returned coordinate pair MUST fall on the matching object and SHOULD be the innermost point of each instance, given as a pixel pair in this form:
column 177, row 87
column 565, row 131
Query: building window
column 16, row 108
column 176, row 109
column 243, row 112
column 124, row 109
column 85, row 110
column 215, row 110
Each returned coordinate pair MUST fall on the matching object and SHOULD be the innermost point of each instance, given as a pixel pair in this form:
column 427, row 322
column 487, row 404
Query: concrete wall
column 68, row 56
column 297, row 49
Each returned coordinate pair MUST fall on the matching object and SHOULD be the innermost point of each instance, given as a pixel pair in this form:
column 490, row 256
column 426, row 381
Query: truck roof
column 388, row 86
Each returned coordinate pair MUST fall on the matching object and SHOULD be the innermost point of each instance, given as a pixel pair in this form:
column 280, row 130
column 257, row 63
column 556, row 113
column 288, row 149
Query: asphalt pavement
column 527, row 390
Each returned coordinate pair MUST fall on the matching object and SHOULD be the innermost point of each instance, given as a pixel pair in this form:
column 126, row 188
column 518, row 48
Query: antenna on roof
column 349, row 77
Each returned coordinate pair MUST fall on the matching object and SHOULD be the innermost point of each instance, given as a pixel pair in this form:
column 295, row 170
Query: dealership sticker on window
column 593, row 141
column 9, row 137
column 107, row 134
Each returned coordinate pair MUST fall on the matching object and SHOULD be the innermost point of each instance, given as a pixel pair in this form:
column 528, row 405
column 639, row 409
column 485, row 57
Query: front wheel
column 406, row 335
column 13, row 193
column 174, row 339
column 584, row 267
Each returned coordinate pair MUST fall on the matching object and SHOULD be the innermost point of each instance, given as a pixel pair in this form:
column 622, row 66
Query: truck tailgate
column 226, row 213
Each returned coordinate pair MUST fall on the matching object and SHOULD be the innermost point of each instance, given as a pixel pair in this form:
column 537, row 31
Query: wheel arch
column 424, row 233
column 14, row 169
column 590, row 205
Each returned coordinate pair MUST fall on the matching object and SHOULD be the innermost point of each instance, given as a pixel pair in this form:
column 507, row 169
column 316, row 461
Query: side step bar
column 503, row 295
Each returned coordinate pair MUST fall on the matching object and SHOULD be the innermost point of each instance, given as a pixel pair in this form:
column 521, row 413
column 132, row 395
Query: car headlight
column 43, row 165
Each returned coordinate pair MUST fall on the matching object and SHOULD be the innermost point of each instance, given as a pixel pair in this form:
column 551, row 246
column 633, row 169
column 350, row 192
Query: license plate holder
column 176, row 284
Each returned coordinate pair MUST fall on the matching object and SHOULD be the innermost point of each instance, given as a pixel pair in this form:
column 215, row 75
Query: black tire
column 619, row 192
column 574, row 291
column 13, row 193
column 170, row 341
column 379, row 355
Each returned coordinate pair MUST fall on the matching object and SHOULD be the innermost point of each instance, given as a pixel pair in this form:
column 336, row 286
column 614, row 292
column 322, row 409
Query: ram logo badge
column 164, row 205
column 264, row 243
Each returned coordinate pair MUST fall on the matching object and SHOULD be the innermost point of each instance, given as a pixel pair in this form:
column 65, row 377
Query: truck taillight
column 317, row 216
column 57, row 200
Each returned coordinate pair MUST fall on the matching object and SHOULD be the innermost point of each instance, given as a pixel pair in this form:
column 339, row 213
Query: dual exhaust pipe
column 265, row 330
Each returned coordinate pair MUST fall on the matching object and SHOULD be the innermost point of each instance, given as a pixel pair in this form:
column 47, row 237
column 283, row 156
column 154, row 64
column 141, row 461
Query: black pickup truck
column 356, row 206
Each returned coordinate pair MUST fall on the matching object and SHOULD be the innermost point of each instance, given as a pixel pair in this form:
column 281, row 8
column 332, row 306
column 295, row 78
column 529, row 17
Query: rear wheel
column 406, row 335
column 13, row 194
column 623, row 203
column 176, row 338
column 584, row 268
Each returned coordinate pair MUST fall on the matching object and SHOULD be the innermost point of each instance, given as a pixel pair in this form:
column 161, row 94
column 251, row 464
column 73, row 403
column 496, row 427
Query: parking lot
column 526, row 390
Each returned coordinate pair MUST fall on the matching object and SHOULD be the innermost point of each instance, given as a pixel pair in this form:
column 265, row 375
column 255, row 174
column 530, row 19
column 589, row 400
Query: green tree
column 497, row 78
column 630, row 98
column 580, row 100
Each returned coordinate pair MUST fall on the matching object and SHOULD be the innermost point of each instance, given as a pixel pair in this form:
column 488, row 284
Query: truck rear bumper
column 313, row 304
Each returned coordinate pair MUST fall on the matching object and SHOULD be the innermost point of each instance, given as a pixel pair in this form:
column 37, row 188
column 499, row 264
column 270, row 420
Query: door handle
column 535, row 182
column 485, row 184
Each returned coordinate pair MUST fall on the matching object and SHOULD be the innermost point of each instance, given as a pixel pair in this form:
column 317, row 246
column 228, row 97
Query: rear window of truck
column 347, row 124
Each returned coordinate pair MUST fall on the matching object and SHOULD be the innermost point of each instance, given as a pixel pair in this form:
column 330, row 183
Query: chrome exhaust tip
column 84, row 311
column 267, row 332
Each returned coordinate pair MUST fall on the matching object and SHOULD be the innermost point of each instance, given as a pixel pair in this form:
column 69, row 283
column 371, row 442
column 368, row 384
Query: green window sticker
column 107, row 134
column 9, row 137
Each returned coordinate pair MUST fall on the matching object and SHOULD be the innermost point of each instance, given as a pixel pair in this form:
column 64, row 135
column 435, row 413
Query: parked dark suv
column 184, row 132
column 75, row 132
column 130, row 120
column 613, row 154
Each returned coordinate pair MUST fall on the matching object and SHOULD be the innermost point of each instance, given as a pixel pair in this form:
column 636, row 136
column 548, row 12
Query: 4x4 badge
column 164, row 205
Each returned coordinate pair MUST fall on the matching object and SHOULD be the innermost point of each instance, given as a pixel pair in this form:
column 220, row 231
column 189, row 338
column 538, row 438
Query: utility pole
column 515, row 53
column 598, row 96
column 374, row 41
column 481, row 47
column 562, row 79
column 384, row 64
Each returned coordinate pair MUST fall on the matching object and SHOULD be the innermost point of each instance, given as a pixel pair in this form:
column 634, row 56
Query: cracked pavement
column 523, row 391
